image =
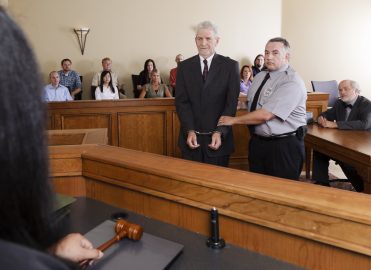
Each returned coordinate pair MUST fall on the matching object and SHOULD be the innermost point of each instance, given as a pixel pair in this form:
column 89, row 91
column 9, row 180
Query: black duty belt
column 275, row 137
column 299, row 133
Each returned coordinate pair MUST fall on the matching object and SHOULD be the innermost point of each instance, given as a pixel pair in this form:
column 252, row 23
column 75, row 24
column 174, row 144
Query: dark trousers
column 281, row 157
column 200, row 154
column 320, row 171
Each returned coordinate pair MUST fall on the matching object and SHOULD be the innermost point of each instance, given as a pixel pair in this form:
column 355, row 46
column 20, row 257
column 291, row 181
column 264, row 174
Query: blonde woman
column 155, row 89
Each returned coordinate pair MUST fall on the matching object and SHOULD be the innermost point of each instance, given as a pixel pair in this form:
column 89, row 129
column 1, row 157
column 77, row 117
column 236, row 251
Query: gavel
column 123, row 229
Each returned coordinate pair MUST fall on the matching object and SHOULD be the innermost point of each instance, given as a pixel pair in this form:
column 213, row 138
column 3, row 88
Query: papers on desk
column 150, row 252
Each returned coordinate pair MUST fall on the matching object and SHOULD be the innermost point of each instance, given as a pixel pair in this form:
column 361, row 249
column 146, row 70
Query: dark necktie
column 347, row 105
column 206, row 70
column 348, row 108
column 257, row 94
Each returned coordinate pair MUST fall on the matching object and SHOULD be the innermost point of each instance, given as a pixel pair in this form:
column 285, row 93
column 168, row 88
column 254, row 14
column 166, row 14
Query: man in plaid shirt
column 70, row 79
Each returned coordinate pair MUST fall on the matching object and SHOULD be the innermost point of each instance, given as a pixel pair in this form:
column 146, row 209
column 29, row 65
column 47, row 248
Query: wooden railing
column 149, row 125
column 308, row 225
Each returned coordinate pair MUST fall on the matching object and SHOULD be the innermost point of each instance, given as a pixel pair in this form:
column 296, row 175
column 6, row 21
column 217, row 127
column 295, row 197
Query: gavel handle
column 103, row 247
column 110, row 242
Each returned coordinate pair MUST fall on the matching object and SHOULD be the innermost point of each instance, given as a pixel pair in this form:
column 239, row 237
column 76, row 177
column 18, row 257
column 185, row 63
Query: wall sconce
column 81, row 34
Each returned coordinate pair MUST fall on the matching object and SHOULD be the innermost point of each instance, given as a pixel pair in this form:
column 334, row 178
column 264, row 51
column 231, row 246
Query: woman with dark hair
column 26, row 228
column 106, row 89
column 145, row 74
column 258, row 64
column 155, row 89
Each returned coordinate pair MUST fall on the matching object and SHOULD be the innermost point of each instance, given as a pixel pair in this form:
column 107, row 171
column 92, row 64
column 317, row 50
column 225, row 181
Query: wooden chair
column 135, row 81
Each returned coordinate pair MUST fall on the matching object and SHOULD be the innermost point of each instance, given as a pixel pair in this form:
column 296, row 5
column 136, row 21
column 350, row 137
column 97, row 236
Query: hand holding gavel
column 123, row 229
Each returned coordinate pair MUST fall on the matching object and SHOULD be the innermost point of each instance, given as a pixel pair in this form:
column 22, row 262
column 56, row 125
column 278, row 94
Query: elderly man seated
column 350, row 112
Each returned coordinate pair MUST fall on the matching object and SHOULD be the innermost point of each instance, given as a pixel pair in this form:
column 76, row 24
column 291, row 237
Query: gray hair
column 282, row 40
column 207, row 25
column 355, row 86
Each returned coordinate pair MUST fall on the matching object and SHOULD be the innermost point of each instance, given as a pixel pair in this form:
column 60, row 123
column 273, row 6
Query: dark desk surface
column 87, row 214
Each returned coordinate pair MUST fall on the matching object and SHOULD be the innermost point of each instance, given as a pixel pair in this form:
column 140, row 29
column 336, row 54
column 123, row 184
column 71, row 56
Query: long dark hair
column 256, row 58
column 145, row 67
column 25, row 193
column 104, row 73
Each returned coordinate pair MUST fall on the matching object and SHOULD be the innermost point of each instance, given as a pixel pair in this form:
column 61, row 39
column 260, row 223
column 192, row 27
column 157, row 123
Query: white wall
column 331, row 39
column 131, row 31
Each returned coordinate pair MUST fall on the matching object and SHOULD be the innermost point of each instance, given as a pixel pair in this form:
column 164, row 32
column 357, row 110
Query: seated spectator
column 27, row 231
column 155, row 89
column 246, row 80
column 178, row 59
column 145, row 74
column 70, row 79
column 106, row 65
column 106, row 89
column 350, row 112
column 55, row 91
column 258, row 64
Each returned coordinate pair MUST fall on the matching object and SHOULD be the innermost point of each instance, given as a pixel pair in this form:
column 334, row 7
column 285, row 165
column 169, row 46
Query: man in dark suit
column 207, row 88
column 350, row 112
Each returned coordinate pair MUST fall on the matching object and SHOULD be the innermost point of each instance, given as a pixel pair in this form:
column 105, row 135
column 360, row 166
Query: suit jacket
column 199, row 104
column 359, row 117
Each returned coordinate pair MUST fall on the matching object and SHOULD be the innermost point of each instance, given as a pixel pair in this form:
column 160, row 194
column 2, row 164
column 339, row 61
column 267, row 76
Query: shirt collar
column 209, row 59
column 276, row 72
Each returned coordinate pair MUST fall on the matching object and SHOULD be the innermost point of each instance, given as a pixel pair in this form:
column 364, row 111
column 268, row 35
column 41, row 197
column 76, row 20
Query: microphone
column 214, row 241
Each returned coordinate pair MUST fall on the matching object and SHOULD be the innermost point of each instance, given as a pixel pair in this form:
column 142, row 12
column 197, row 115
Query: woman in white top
column 106, row 90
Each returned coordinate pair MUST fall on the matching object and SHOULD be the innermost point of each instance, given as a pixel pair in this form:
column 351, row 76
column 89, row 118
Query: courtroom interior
column 115, row 153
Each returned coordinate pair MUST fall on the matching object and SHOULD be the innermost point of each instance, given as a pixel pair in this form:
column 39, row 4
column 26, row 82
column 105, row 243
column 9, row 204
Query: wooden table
column 351, row 147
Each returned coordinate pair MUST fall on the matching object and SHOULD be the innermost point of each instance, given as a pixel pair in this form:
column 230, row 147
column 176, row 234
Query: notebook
column 150, row 252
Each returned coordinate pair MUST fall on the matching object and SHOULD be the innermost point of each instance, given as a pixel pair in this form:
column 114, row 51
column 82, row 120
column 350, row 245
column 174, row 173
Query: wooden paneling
column 149, row 125
column 175, row 129
column 238, row 159
column 308, row 225
column 144, row 131
column 77, row 136
column 72, row 186
column 86, row 121
column 317, row 103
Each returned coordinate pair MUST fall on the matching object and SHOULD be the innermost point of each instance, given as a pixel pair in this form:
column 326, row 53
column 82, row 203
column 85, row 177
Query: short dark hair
column 66, row 60
column 25, row 193
column 106, row 59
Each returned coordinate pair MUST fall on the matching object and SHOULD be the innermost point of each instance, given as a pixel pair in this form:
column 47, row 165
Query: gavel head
column 130, row 230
